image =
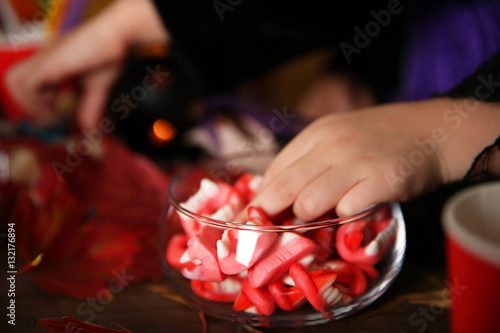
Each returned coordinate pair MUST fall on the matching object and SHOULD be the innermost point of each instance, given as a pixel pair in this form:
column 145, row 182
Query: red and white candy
column 288, row 249
column 247, row 185
column 287, row 296
column 225, row 291
column 254, row 300
column 366, row 242
column 247, row 247
column 202, row 255
column 219, row 201
column 261, row 270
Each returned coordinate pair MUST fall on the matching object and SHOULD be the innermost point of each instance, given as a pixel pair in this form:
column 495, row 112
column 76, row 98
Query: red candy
column 247, row 247
column 260, row 298
column 176, row 249
column 288, row 249
column 247, row 185
column 324, row 238
column 203, row 255
column 287, row 298
column 243, row 303
column 370, row 273
column 219, row 201
column 252, row 245
column 314, row 285
column 366, row 242
column 258, row 270
column 225, row 291
column 226, row 255
column 350, row 278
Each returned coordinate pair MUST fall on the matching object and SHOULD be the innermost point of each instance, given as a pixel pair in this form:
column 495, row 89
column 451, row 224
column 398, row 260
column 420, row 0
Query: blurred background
column 182, row 119
column 147, row 126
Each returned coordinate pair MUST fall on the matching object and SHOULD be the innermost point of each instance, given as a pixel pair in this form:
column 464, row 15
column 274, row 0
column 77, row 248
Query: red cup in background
column 9, row 108
column 471, row 220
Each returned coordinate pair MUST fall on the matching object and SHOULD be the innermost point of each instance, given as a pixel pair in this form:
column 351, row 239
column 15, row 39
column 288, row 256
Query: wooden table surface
column 416, row 302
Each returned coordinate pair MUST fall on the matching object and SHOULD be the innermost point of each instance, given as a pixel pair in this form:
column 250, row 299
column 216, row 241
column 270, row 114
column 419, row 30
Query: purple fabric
column 447, row 42
column 73, row 15
column 212, row 105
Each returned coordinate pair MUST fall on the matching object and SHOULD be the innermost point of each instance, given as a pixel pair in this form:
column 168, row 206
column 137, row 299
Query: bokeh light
column 162, row 132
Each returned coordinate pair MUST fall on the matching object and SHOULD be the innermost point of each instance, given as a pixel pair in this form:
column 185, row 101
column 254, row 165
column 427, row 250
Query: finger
column 49, row 65
column 16, row 86
column 35, row 105
column 283, row 189
column 28, row 81
column 96, row 89
column 90, row 109
column 323, row 193
column 83, row 49
column 369, row 191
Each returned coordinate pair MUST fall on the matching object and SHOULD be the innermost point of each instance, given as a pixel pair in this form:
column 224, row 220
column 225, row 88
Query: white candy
column 208, row 189
column 223, row 245
column 247, row 241
column 376, row 244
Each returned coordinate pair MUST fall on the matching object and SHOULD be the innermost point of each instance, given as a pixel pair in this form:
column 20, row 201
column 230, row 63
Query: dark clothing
column 227, row 42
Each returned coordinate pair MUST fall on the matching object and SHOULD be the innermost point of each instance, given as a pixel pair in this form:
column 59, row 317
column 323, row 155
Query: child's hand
column 387, row 153
column 92, row 54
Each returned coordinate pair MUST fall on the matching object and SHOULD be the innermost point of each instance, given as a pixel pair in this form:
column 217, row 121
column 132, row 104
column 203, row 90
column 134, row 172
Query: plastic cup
column 471, row 220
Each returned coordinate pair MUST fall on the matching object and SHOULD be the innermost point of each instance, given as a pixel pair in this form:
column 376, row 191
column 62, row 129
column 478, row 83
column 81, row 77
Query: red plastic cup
column 471, row 220
column 9, row 108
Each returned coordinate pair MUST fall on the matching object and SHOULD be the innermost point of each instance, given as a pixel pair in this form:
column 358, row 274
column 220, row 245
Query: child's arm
column 392, row 152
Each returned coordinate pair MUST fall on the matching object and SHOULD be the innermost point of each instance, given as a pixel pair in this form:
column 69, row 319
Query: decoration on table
column 229, row 127
column 91, row 212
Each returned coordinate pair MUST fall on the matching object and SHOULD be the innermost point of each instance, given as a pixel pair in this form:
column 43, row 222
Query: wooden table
column 416, row 302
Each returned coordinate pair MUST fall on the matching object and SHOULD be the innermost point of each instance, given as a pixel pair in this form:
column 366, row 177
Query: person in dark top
column 435, row 83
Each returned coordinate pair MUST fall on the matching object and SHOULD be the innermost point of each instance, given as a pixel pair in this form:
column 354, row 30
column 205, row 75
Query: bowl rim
column 364, row 213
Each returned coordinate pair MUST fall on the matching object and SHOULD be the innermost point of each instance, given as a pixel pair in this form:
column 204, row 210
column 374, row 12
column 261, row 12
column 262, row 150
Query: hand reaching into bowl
column 393, row 152
column 92, row 54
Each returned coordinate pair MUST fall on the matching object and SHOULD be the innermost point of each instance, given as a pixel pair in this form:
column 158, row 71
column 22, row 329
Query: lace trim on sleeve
column 486, row 166
column 483, row 85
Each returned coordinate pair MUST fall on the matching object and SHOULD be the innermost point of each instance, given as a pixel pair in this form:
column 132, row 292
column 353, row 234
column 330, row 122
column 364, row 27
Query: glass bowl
column 273, row 272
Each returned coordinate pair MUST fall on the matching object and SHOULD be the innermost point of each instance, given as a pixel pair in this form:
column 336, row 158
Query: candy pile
column 258, row 271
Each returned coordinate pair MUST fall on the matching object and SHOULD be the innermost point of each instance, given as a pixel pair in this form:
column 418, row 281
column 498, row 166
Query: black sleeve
column 483, row 85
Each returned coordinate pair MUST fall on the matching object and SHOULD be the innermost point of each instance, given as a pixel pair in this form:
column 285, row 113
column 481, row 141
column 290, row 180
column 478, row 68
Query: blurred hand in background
column 90, row 56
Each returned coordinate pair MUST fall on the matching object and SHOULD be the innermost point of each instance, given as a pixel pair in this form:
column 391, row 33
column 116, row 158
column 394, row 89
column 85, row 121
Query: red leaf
column 121, row 184
column 97, row 226
column 69, row 324
column 78, row 258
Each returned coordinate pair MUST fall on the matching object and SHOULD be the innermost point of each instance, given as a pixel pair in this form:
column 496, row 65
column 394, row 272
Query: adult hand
column 92, row 54
column 393, row 152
